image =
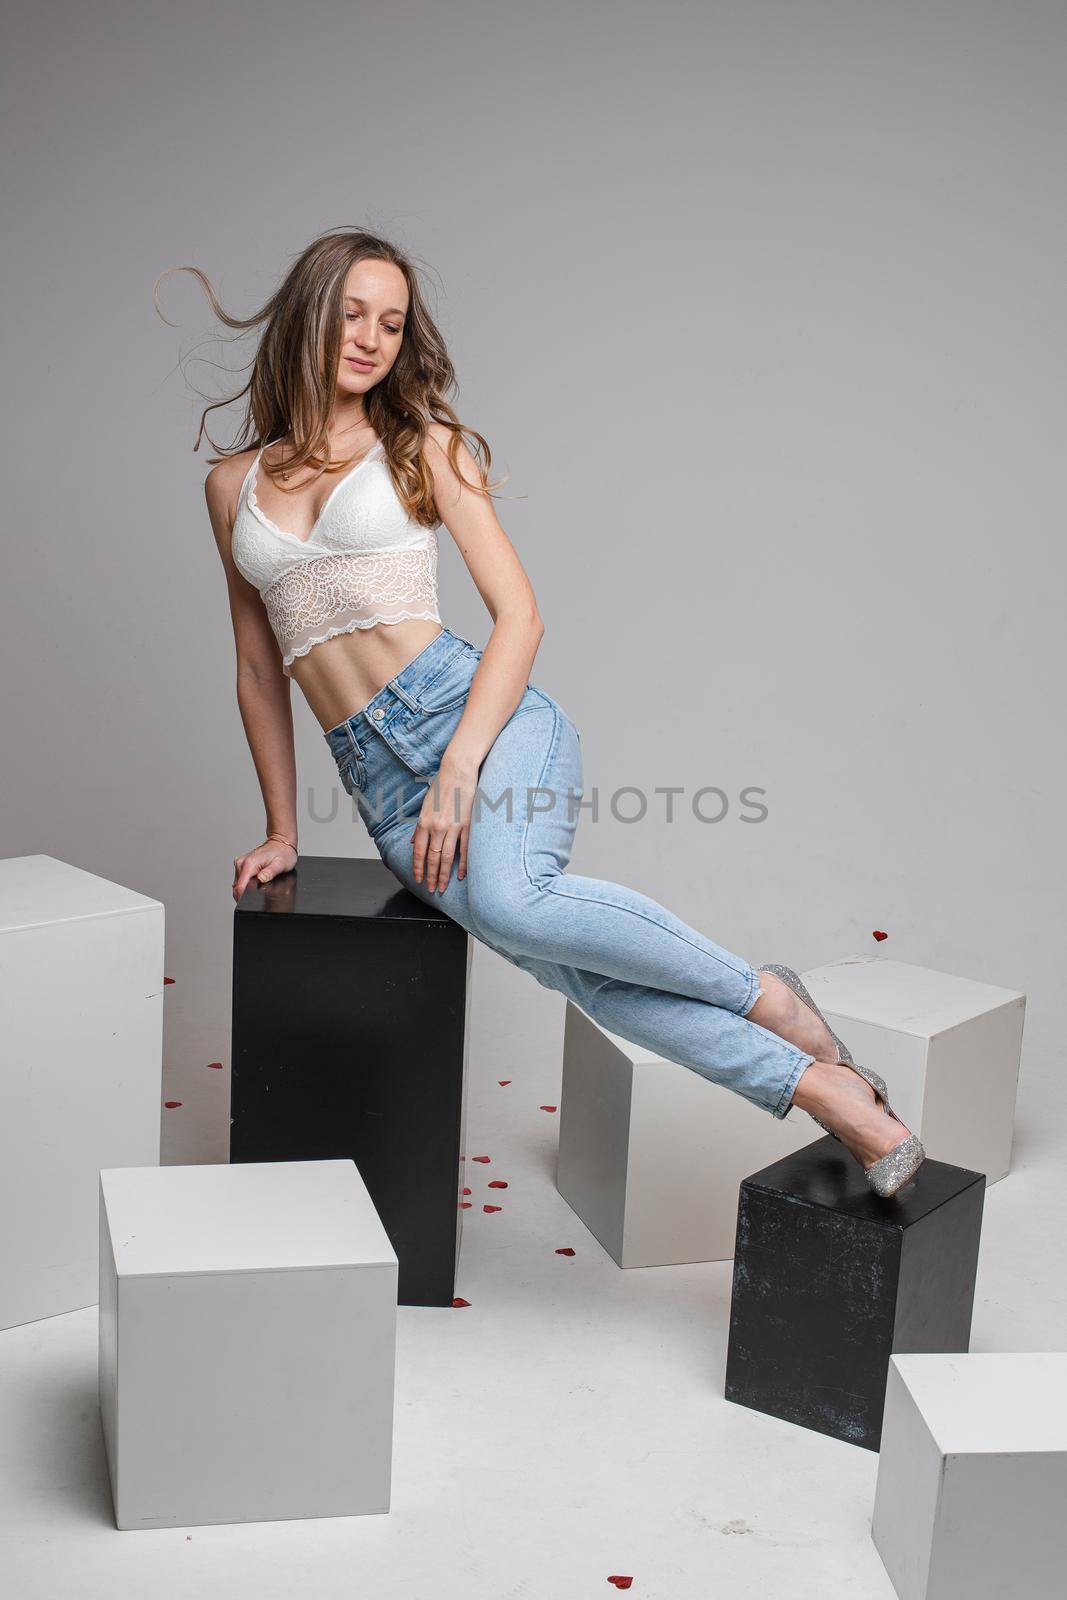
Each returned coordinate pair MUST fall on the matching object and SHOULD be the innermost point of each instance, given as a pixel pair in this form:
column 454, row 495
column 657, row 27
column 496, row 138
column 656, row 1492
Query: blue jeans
column 626, row 961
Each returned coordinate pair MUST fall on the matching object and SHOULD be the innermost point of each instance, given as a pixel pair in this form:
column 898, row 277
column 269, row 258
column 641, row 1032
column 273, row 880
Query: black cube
column 830, row 1280
column 350, row 1039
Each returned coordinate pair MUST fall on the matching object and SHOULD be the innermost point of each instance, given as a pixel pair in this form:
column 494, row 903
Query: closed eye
column 392, row 328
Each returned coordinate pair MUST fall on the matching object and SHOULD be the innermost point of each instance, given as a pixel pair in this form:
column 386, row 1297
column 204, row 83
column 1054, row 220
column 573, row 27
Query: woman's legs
column 783, row 1012
column 628, row 962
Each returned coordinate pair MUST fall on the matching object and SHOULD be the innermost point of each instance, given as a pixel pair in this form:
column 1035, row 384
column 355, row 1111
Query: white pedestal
column 247, row 1343
column 651, row 1155
column 972, row 1476
column 81, row 1032
column 947, row 1047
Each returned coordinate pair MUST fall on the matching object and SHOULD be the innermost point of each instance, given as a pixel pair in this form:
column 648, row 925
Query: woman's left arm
column 500, row 679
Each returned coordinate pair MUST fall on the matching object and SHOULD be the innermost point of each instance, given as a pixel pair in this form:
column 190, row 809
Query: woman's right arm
column 263, row 693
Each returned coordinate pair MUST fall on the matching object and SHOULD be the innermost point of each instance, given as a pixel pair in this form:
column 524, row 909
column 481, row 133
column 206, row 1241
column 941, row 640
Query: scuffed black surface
column 830, row 1280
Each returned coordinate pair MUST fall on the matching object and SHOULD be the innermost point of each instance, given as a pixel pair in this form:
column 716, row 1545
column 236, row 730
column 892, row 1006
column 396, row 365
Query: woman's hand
column 265, row 862
column 444, row 825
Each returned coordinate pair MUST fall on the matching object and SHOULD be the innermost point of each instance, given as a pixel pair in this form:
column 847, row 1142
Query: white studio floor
column 567, row 1426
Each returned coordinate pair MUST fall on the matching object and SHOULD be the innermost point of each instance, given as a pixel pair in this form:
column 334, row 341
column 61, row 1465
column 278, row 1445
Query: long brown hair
column 292, row 384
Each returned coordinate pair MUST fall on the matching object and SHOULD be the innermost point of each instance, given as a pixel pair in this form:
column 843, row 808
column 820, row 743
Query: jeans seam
column 553, row 887
column 595, row 900
column 753, row 993
column 800, row 1065
column 549, row 753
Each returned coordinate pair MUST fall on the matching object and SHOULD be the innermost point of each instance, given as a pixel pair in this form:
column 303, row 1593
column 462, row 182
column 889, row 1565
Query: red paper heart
column 879, row 935
column 168, row 980
column 465, row 1205
column 546, row 1108
column 492, row 1208
column 566, row 1251
column 458, row 1302
column 216, row 1064
column 481, row 1158
column 497, row 1183
column 621, row 1583
column 466, row 1191
column 171, row 1104
column 503, row 1082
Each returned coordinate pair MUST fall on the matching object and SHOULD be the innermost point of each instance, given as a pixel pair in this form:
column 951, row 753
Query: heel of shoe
column 898, row 1165
column 878, row 1084
column 891, row 1171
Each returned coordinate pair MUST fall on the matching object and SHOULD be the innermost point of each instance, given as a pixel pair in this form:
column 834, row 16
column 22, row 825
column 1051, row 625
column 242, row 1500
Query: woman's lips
column 360, row 366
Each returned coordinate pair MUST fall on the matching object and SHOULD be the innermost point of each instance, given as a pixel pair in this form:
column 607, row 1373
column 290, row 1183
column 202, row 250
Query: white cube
column 651, row 1154
column 972, row 1476
column 247, row 1343
column 81, row 1025
column 947, row 1047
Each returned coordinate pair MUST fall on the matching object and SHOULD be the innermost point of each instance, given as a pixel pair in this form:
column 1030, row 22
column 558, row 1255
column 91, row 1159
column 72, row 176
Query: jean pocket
column 352, row 772
column 449, row 686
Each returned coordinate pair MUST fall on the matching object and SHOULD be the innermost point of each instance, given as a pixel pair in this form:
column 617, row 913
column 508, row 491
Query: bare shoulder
column 442, row 437
column 447, row 485
column 222, row 486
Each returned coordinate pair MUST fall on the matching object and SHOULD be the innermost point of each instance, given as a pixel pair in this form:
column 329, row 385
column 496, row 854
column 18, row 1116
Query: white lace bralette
column 364, row 561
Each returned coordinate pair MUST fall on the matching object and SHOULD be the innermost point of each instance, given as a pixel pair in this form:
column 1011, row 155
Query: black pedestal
column 830, row 1280
column 350, row 1032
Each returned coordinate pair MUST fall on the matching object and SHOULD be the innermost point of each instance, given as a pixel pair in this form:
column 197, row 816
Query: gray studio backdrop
column 761, row 306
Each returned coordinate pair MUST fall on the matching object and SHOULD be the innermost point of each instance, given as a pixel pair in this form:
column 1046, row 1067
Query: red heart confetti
column 168, row 980
column 503, row 1082
column 481, row 1158
column 497, row 1183
column 216, row 1064
column 879, row 935
column 492, row 1208
column 172, row 1105
column 460, row 1302
column 547, row 1108
column 466, row 1191
column 465, row 1205
column 621, row 1583
column 566, row 1251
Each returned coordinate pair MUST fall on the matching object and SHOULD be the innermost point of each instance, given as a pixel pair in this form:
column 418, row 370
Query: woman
column 327, row 530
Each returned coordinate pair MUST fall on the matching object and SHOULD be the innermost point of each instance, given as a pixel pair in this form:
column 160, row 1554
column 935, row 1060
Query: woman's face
column 375, row 308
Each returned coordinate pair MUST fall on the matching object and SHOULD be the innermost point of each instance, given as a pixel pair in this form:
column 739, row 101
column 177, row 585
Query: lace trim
column 335, row 593
column 374, row 451
column 369, row 622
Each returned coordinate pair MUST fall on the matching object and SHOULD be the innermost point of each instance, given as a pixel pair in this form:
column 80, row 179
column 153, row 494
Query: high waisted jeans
column 626, row 961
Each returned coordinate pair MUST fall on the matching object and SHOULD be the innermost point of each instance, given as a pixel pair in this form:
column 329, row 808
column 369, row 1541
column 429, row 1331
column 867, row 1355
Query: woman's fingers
column 263, row 864
column 419, row 840
column 426, row 851
column 444, row 866
column 432, row 852
column 435, row 856
column 244, row 874
column 442, row 829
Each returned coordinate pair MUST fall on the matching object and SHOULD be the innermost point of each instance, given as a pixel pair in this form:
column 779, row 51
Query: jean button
column 378, row 714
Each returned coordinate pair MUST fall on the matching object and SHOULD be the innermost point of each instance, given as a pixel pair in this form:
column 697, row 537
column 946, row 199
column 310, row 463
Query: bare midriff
column 339, row 676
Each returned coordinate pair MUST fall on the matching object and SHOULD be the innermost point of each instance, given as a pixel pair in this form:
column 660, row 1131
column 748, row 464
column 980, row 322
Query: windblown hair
column 292, row 386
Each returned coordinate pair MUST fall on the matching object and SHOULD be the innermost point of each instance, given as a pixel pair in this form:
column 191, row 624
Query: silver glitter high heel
column 788, row 976
column 891, row 1171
